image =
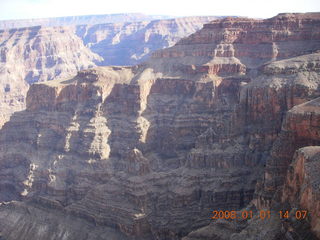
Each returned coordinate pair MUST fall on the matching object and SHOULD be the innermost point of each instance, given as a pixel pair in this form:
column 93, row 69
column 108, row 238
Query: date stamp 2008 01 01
column 262, row 214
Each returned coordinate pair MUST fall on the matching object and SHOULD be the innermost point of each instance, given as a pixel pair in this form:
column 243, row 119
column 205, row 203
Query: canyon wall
column 131, row 43
column 36, row 54
column 149, row 151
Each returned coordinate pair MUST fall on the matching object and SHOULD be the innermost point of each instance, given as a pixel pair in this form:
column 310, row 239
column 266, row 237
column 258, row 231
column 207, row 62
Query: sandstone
column 42, row 53
column 35, row 54
column 131, row 43
column 301, row 187
column 48, row 223
column 151, row 150
column 299, row 129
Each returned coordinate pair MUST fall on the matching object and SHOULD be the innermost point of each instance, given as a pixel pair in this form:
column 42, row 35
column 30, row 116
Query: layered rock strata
column 151, row 150
column 131, row 43
column 37, row 54
column 290, row 184
column 301, row 188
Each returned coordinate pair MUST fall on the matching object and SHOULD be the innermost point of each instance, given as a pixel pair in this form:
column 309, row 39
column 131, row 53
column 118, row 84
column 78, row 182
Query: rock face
column 131, row 43
column 149, row 151
column 29, row 55
column 37, row 54
column 290, row 183
column 300, row 129
column 301, row 188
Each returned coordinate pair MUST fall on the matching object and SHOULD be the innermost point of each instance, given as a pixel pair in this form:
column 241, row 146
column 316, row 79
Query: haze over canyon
column 41, row 53
column 141, row 129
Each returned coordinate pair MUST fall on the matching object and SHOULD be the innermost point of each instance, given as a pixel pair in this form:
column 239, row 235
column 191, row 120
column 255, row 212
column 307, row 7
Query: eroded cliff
column 149, row 151
column 37, row 54
column 131, row 43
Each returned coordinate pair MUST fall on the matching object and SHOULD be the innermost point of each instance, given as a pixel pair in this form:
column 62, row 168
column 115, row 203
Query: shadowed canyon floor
column 226, row 119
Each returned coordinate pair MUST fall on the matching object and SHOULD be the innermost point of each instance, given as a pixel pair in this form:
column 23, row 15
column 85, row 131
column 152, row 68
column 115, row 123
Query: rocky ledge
column 37, row 54
column 149, row 151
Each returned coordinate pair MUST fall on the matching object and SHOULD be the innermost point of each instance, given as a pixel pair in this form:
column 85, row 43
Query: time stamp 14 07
column 262, row 214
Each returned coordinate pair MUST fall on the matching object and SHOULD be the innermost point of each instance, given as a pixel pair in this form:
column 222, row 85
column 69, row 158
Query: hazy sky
column 19, row 9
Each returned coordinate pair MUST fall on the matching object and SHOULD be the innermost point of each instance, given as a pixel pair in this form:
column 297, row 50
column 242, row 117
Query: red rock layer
column 151, row 150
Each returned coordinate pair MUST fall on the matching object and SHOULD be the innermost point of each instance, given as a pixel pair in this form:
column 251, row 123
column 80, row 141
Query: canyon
column 228, row 118
column 41, row 53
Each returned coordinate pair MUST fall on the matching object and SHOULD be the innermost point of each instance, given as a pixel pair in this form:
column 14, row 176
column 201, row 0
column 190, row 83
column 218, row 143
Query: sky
column 22, row 9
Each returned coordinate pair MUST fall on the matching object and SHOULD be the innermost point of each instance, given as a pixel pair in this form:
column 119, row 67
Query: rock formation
column 131, row 43
column 37, row 54
column 150, row 151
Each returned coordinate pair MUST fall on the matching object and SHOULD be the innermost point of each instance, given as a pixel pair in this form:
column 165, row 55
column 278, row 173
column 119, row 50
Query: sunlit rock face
column 42, row 53
column 149, row 151
column 130, row 43
column 36, row 54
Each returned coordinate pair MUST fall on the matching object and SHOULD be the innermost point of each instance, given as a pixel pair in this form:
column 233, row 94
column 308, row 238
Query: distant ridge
column 79, row 20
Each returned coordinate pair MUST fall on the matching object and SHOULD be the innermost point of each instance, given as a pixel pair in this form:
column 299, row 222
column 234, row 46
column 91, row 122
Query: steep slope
column 290, row 183
column 29, row 55
column 41, row 53
column 131, row 43
column 301, row 188
column 151, row 150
